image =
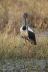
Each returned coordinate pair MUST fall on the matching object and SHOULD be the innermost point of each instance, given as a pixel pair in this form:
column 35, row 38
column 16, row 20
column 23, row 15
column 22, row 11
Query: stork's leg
column 28, row 46
column 25, row 42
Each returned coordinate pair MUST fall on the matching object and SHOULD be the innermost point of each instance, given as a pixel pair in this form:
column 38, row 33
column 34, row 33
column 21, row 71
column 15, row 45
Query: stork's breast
column 24, row 33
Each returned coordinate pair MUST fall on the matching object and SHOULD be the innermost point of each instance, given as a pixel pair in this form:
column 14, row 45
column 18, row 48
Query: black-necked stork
column 27, row 33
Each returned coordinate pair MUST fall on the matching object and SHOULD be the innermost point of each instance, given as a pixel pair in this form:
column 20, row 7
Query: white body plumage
column 24, row 33
column 27, row 33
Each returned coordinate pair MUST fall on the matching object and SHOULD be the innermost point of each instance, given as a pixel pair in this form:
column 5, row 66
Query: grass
column 11, row 14
column 14, row 47
column 11, row 19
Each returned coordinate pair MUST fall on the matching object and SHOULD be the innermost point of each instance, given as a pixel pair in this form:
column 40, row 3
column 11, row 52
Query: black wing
column 31, row 36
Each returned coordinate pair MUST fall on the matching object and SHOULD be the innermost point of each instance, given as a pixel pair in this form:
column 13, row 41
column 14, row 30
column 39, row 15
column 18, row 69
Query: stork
column 27, row 33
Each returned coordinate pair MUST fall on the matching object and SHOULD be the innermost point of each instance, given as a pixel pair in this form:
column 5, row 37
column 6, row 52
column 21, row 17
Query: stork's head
column 25, row 17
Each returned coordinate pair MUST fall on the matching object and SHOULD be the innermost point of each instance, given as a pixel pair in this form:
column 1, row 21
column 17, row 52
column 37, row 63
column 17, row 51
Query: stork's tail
column 34, row 42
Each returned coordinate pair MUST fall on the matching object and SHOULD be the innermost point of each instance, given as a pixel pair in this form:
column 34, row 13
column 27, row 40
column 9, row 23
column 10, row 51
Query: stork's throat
column 24, row 28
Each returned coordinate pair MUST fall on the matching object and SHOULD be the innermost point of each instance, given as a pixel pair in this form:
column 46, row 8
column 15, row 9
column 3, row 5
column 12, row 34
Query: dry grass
column 11, row 14
column 11, row 19
column 14, row 47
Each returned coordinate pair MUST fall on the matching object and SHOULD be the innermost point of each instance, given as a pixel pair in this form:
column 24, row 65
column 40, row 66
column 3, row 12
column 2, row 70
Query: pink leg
column 28, row 46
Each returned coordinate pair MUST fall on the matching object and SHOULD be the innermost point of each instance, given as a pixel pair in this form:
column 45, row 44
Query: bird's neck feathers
column 24, row 27
column 25, row 22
